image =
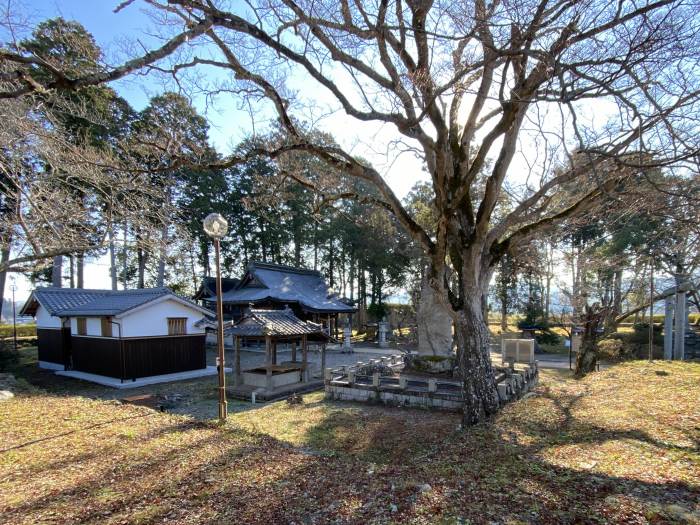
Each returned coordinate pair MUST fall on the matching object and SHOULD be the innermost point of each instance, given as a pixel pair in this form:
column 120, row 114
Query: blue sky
column 228, row 124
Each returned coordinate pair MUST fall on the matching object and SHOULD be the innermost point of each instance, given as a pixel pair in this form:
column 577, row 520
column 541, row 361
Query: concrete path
column 141, row 381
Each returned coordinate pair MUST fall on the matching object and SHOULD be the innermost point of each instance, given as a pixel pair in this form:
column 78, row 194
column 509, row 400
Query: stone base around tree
column 407, row 390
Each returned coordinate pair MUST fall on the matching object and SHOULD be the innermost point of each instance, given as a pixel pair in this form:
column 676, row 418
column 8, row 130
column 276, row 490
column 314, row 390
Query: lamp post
column 215, row 226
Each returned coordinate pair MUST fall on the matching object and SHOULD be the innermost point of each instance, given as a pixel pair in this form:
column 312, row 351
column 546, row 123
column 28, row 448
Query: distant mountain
column 6, row 316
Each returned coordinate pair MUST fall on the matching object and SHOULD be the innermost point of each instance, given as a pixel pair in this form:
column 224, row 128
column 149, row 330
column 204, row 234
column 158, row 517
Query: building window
column 177, row 325
column 106, row 327
column 82, row 325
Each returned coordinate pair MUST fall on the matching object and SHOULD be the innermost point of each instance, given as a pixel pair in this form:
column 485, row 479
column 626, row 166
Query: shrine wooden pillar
column 294, row 351
column 304, row 358
column 323, row 359
column 237, row 359
column 268, row 362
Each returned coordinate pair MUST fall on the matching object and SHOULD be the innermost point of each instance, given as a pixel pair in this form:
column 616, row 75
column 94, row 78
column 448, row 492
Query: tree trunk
column 205, row 257
column 57, row 271
column 160, row 280
column 587, row 356
column 331, row 269
column 126, row 256
column 504, row 313
column 548, row 281
column 315, row 245
column 112, row 258
column 616, row 303
column 352, row 274
column 80, row 269
column 141, row 260
column 474, row 358
column 297, row 249
column 4, row 256
column 71, row 272
column 193, row 269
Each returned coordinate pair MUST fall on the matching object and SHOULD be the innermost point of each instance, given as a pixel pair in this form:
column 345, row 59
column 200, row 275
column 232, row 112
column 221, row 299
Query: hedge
column 23, row 330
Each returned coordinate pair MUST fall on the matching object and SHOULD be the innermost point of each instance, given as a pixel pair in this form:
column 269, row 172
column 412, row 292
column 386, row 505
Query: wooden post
column 294, row 351
column 237, row 359
column 268, row 363
column 323, row 356
column 274, row 352
column 305, row 361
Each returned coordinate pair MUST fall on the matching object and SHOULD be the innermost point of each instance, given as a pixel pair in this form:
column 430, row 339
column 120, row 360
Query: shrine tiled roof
column 281, row 284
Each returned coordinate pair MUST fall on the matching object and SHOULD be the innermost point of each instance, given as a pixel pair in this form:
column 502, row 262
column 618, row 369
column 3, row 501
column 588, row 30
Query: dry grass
column 621, row 446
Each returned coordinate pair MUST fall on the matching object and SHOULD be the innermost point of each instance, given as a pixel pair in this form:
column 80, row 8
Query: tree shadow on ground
column 195, row 398
column 358, row 464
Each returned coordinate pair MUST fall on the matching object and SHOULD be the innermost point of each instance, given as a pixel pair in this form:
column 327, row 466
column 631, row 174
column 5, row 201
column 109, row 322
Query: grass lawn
column 622, row 446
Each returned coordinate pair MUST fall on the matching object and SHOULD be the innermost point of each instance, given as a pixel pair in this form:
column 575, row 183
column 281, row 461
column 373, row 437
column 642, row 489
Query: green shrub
column 640, row 334
column 23, row 330
column 547, row 337
column 377, row 311
column 610, row 348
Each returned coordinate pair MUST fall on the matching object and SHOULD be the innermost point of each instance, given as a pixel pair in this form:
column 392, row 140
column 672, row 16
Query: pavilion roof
column 276, row 323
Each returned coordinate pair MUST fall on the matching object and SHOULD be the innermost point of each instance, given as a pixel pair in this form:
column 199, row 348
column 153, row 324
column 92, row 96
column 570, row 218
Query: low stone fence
column 349, row 383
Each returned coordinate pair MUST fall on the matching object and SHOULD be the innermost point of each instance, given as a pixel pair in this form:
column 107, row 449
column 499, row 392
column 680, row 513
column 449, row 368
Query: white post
column 383, row 325
column 668, row 328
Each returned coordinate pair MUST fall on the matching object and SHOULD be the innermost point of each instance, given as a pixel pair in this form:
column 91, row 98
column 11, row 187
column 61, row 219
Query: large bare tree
column 465, row 85
column 60, row 197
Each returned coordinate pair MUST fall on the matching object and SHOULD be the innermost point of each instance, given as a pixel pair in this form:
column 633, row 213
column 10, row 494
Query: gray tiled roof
column 116, row 302
column 284, row 284
column 69, row 302
column 57, row 299
column 208, row 286
column 259, row 323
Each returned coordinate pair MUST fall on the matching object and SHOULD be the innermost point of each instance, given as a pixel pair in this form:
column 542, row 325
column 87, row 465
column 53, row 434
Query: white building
column 125, row 334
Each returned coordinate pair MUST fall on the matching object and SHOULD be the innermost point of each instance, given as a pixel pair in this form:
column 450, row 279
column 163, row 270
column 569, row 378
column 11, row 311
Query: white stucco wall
column 93, row 325
column 152, row 320
column 44, row 320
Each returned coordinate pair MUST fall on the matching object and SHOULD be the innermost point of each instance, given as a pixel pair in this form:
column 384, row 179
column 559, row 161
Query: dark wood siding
column 152, row 356
column 96, row 355
column 50, row 345
column 138, row 357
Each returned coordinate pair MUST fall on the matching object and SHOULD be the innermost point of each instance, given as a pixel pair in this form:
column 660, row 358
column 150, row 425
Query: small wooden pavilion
column 276, row 327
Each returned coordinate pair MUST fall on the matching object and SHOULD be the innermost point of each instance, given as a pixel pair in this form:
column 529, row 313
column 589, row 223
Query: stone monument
column 383, row 328
column 434, row 324
column 347, row 336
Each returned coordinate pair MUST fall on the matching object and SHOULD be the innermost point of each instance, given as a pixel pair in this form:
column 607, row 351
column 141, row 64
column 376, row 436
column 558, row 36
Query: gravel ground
column 334, row 358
